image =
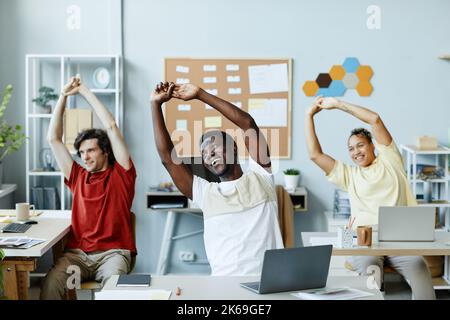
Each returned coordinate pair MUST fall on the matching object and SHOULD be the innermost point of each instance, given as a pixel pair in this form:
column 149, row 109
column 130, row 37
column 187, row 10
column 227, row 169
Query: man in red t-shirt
column 101, row 241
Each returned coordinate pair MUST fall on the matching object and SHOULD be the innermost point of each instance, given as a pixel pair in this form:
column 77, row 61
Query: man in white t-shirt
column 240, row 212
column 375, row 181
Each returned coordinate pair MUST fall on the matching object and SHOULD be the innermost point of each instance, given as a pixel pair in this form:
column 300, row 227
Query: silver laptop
column 293, row 269
column 406, row 224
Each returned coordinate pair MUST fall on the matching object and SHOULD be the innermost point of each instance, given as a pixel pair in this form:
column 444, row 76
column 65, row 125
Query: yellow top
column 383, row 183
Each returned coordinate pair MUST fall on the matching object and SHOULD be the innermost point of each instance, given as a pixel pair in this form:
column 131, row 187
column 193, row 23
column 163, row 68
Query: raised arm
column 255, row 141
column 380, row 133
column 180, row 173
column 55, row 129
column 118, row 144
column 324, row 161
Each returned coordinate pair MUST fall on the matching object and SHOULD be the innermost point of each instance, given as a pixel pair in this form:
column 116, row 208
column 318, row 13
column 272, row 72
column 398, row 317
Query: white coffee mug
column 23, row 211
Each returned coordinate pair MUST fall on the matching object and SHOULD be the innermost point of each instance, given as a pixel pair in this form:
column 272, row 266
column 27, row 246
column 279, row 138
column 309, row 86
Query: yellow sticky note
column 256, row 104
column 213, row 122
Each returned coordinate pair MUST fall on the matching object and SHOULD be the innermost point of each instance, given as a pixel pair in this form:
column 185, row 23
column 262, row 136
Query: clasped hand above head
column 73, row 87
column 164, row 91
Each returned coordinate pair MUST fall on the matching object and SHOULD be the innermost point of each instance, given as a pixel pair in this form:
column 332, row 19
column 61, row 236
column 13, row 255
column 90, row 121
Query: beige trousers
column 77, row 265
column 413, row 268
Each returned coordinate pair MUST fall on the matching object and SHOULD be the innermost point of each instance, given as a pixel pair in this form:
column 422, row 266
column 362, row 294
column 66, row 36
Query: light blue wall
column 412, row 86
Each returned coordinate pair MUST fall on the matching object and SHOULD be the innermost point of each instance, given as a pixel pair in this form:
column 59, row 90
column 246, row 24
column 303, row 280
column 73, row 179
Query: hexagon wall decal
column 340, row 78
column 350, row 80
column 324, row 92
column 350, row 64
column 364, row 72
column 336, row 88
column 310, row 88
column 323, row 80
column 364, row 88
column 337, row 72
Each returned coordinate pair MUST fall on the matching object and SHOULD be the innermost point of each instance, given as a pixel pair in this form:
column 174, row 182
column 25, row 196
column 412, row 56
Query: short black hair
column 225, row 136
column 362, row 133
column 102, row 141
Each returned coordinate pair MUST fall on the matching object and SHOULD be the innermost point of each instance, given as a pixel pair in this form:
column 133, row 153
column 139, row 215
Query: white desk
column 440, row 247
column 53, row 225
column 195, row 287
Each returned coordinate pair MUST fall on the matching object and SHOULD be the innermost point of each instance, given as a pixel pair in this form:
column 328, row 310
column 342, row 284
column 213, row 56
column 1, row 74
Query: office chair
column 93, row 285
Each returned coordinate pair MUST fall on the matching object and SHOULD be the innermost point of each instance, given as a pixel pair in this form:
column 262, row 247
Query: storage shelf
column 45, row 173
column 439, row 283
column 53, row 70
column 415, row 150
column 40, row 115
column 445, row 204
column 444, row 180
column 104, row 91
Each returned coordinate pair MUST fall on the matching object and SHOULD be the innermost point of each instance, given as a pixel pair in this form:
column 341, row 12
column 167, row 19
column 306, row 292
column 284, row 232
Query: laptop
column 406, row 223
column 293, row 269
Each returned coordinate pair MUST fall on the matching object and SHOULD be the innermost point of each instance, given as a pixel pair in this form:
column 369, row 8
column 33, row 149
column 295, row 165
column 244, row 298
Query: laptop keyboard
column 16, row 228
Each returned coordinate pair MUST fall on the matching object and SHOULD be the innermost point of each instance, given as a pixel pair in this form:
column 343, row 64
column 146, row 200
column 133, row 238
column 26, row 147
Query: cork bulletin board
column 261, row 87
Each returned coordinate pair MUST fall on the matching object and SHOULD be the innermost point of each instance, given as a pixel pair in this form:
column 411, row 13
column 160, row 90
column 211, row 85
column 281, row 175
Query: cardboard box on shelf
column 426, row 143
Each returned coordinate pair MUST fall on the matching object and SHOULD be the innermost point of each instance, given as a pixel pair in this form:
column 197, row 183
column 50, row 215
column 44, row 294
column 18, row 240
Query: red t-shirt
column 101, row 208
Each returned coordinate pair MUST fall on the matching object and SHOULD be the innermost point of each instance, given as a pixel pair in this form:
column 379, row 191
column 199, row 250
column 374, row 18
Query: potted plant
column 291, row 177
column 11, row 137
column 46, row 95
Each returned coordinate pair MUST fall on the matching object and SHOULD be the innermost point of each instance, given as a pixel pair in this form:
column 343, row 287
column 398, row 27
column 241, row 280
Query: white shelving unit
column 53, row 70
column 440, row 187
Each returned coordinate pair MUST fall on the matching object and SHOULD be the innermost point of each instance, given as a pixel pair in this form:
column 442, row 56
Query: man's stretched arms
column 254, row 139
column 180, row 173
column 118, row 144
column 55, row 129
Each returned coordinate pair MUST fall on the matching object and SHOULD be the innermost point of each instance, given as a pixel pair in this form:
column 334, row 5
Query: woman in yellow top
column 375, row 181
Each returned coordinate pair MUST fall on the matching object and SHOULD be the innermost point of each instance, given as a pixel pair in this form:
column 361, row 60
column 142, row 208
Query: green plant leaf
column 291, row 172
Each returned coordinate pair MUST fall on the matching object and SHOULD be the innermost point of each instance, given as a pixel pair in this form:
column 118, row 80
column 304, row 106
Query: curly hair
column 102, row 141
column 361, row 132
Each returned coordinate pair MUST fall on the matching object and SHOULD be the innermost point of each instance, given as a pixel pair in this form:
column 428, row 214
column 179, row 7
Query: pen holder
column 345, row 237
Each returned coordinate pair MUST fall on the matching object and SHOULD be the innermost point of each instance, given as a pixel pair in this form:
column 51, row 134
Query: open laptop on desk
column 293, row 269
column 406, row 223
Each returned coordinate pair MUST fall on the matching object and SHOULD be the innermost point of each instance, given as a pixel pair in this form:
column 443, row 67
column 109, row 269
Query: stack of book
column 341, row 208
column 45, row 198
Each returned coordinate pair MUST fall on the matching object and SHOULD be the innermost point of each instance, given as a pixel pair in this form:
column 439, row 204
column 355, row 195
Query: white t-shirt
column 235, row 242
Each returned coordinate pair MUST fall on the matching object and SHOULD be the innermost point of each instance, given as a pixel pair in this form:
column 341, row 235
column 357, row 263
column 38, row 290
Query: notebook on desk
column 134, row 280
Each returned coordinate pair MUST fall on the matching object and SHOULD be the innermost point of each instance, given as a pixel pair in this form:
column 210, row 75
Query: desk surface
column 440, row 247
column 52, row 225
column 202, row 287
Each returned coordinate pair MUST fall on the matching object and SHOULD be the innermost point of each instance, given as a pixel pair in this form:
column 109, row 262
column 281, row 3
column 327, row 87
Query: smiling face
column 361, row 150
column 215, row 156
column 93, row 157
